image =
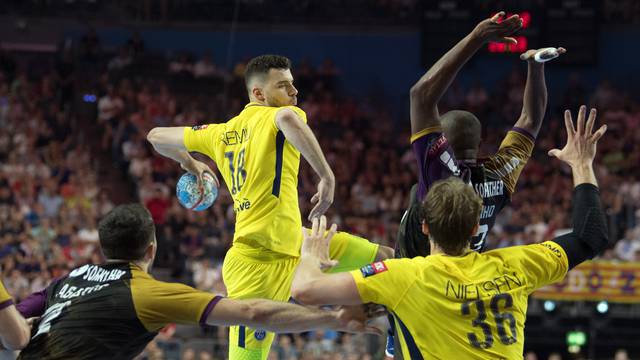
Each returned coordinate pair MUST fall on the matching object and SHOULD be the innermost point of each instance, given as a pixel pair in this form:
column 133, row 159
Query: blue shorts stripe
column 242, row 331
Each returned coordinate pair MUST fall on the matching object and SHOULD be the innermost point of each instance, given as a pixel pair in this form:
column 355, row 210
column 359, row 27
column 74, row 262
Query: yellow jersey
column 260, row 169
column 467, row 307
column 5, row 298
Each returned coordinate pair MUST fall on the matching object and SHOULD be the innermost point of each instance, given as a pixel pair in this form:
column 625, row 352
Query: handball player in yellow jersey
column 14, row 331
column 258, row 154
column 457, row 303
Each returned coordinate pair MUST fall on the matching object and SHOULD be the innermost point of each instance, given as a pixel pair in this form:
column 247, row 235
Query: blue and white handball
column 189, row 194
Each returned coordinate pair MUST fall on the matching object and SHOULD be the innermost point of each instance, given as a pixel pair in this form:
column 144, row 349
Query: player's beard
column 279, row 102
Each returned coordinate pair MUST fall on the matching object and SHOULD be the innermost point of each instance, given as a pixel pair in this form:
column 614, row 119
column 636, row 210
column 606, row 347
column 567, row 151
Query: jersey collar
column 253, row 103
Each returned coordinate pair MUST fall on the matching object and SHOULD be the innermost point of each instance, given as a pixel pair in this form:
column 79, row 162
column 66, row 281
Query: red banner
column 595, row 281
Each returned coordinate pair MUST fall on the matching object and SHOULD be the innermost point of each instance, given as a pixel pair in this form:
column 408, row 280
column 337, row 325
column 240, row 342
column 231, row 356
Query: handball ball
column 190, row 196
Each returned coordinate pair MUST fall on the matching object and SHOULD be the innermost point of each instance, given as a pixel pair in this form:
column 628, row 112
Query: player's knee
column 384, row 253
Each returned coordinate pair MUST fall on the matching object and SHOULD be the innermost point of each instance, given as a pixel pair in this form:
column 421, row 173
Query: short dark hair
column 260, row 66
column 451, row 210
column 462, row 129
column 126, row 232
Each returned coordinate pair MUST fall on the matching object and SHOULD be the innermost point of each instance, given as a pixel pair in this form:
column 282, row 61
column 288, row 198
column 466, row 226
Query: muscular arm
column 427, row 92
column 535, row 100
column 14, row 331
column 302, row 138
column 589, row 237
column 169, row 142
column 272, row 316
column 313, row 287
column 298, row 133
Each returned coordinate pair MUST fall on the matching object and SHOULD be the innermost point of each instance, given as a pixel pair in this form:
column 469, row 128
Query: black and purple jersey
column 494, row 179
column 108, row 311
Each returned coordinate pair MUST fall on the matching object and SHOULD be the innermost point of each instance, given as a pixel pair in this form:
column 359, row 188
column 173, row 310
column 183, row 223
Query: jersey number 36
column 501, row 317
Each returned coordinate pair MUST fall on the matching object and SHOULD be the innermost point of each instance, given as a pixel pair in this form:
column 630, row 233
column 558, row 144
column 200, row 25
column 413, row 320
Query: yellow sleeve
column 295, row 109
column 515, row 150
column 202, row 139
column 158, row 303
column 542, row 264
column 5, row 298
column 385, row 282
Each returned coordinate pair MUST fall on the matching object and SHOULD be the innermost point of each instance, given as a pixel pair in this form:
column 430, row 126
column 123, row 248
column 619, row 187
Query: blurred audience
column 52, row 195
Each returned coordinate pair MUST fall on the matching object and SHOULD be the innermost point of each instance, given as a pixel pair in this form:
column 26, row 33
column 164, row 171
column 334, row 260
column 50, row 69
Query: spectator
column 205, row 68
column 120, row 61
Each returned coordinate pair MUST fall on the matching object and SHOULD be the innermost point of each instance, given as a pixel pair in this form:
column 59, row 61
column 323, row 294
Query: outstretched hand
column 316, row 242
column 499, row 30
column 581, row 140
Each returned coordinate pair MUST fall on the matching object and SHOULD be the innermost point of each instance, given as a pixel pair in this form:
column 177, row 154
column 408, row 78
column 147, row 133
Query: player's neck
column 253, row 100
column 436, row 250
column 142, row 264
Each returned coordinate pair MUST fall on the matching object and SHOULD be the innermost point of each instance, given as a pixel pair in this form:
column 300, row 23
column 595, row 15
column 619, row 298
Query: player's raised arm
column 589, row 236
column 535, row 92
column 426, row 93
column 169, row 142
column 14, row 331
column 283, row 317
column 298, row 133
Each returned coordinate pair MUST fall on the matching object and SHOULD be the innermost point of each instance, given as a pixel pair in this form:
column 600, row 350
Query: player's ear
column 425, row 228
column 150, row 252
column 258, row 93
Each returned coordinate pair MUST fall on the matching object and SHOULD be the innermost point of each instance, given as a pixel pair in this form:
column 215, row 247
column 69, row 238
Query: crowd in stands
column 51, row 196
column 49, row 193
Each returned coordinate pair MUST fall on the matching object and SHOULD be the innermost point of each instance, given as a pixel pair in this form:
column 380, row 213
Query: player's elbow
column 154, row 135
column 305, row 293
column 18, row 339
column 420, row 91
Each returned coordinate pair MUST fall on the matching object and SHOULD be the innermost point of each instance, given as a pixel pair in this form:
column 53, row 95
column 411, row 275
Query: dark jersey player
column 447, row 144
column 112, row 310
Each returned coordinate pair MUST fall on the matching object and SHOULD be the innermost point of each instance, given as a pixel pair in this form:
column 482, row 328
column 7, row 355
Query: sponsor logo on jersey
column 260, row 335
column 96, row 273
column 70, row 292
column 438, row 146
column 199, row 127
column 490, row 188
column 372, row 269
column 553, row 248
column 79, row 271
column 242, row 205
column 450, row 163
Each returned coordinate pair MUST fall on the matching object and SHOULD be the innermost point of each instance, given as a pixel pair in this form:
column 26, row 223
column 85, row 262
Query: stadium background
column 81, row 83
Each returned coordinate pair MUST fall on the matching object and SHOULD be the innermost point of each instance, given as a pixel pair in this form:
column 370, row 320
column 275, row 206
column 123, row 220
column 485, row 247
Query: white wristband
column 546, row 54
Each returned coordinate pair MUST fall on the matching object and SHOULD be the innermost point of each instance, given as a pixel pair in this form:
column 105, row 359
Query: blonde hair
column 451, row 210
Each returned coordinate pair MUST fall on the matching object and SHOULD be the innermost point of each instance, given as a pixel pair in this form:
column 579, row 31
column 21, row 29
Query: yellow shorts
column 248, row 276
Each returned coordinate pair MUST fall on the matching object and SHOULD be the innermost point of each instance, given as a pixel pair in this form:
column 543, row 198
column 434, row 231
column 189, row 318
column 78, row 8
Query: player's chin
column 293, row 100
